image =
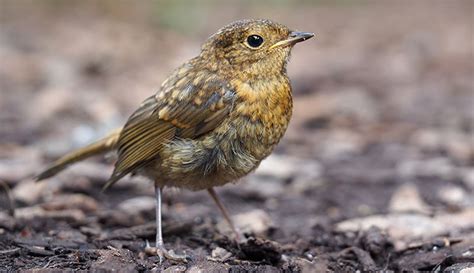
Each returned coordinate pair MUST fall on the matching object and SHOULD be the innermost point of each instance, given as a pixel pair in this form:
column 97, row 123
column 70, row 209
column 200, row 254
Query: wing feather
column 186, row 111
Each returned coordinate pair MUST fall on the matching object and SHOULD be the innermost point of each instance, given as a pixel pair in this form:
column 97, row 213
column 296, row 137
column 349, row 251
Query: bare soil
column 375, row 172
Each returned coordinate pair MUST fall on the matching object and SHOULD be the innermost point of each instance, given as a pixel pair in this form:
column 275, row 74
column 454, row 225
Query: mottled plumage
column 215, row 118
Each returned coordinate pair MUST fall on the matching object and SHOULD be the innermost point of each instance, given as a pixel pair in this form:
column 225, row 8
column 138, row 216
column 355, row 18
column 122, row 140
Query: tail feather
column 99, row 147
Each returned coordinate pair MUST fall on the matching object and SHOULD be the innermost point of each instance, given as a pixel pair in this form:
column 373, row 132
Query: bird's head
column 254, row 47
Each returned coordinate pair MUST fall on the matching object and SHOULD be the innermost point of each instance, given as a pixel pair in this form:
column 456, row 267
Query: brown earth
column 375, row 172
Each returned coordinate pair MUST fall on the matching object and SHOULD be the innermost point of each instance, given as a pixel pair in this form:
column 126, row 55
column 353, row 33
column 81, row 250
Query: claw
column 165, row 254
column 160, row 249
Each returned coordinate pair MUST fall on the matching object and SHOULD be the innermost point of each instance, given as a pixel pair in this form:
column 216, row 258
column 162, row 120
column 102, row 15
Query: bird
column 212, row 121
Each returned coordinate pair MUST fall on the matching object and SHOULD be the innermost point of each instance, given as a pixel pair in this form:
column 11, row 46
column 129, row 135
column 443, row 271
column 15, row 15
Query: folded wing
column 184, row 108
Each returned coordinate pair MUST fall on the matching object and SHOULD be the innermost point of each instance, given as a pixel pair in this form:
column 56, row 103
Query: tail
column 99, row 147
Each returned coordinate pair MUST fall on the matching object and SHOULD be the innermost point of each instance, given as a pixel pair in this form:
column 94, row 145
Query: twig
column 10, row 251
column 11, row 201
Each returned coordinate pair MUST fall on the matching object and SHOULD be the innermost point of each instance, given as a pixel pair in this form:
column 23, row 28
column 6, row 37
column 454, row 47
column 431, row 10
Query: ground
column 375, row 172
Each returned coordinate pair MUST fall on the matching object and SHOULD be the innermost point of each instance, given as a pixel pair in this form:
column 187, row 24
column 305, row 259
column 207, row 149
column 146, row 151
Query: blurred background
column 382, row 123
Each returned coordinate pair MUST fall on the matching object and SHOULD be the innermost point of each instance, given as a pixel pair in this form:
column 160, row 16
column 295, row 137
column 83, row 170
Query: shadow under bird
column 214, row 119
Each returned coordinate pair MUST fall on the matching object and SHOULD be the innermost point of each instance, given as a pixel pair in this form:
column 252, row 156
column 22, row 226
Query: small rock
column 220, row 254
column 285, row 167
column 467, row 177
column 375, row 242
column 339, row 143
column 263, row 186
column 407, row 199
column 274, row 171
column 119, row 260
column 28, row 213
column 175, row 269
column 428, row 140
column 257, row 249
column 460, row 220
column 29, row 191
column 6, row 221
column 71, row 201
column 72, row 235
column 209, row 267
column 90, row 231
column 440, row 167
column 138, row 204
column 18, row 163
column 459, row 145
column 469, row 269
column 409, row 226
column 302, row 184
column 255, row 221
column 309, row 267
column 460, row 268
column 453, row 195
column 281, row 167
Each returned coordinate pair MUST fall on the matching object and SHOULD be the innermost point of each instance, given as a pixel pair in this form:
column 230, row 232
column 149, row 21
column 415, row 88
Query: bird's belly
column 220, row 157
column 200, row 164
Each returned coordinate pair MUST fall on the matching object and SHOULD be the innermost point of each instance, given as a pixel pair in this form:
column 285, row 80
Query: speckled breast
column 234, row 149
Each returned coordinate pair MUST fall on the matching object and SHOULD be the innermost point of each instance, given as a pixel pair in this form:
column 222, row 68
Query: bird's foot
column 163, row 254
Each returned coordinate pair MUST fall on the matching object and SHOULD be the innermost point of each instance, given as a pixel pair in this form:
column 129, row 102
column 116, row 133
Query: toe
column 175, row 257
column 163, row 254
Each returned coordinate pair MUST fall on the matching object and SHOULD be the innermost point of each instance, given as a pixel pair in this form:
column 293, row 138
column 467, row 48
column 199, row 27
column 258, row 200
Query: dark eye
column 254, row 41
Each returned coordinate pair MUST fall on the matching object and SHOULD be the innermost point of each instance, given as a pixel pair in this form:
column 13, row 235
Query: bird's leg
column 159, row 233
column 221, row 207
column 159, row 248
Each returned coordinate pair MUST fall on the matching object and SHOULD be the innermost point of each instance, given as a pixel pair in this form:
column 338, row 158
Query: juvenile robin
column 214, row 119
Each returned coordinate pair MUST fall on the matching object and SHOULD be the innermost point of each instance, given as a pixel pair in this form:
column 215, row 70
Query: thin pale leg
column 221, row 207
column 159, row 232
column 159, row 248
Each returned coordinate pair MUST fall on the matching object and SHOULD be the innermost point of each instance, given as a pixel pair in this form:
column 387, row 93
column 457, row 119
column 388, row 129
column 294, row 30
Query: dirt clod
column 375, row 172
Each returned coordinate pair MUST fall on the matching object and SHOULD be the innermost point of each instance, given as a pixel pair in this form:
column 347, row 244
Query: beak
column 293, row 38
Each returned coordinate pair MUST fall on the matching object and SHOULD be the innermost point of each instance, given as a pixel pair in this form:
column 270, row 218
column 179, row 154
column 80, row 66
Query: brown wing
column 187, row 107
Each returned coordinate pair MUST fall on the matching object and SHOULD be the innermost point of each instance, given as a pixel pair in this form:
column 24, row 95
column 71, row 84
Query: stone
column 460, row 268
column 339, row 144
column 175, row 269
column 29, row 191
column 434, row 167
column 17, row 163
column 208, row 267
column 71, row 201
column 138, row 204
column 269, row 179
column 407, row 199
column 453, row 195
column 110, row 260
column 28, row 213
column 467, row 177
column 412, row 226
column 220, row 254
column 255, row 221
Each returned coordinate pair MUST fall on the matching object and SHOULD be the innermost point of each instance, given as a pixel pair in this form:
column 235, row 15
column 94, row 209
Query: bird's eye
column 254, row 41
